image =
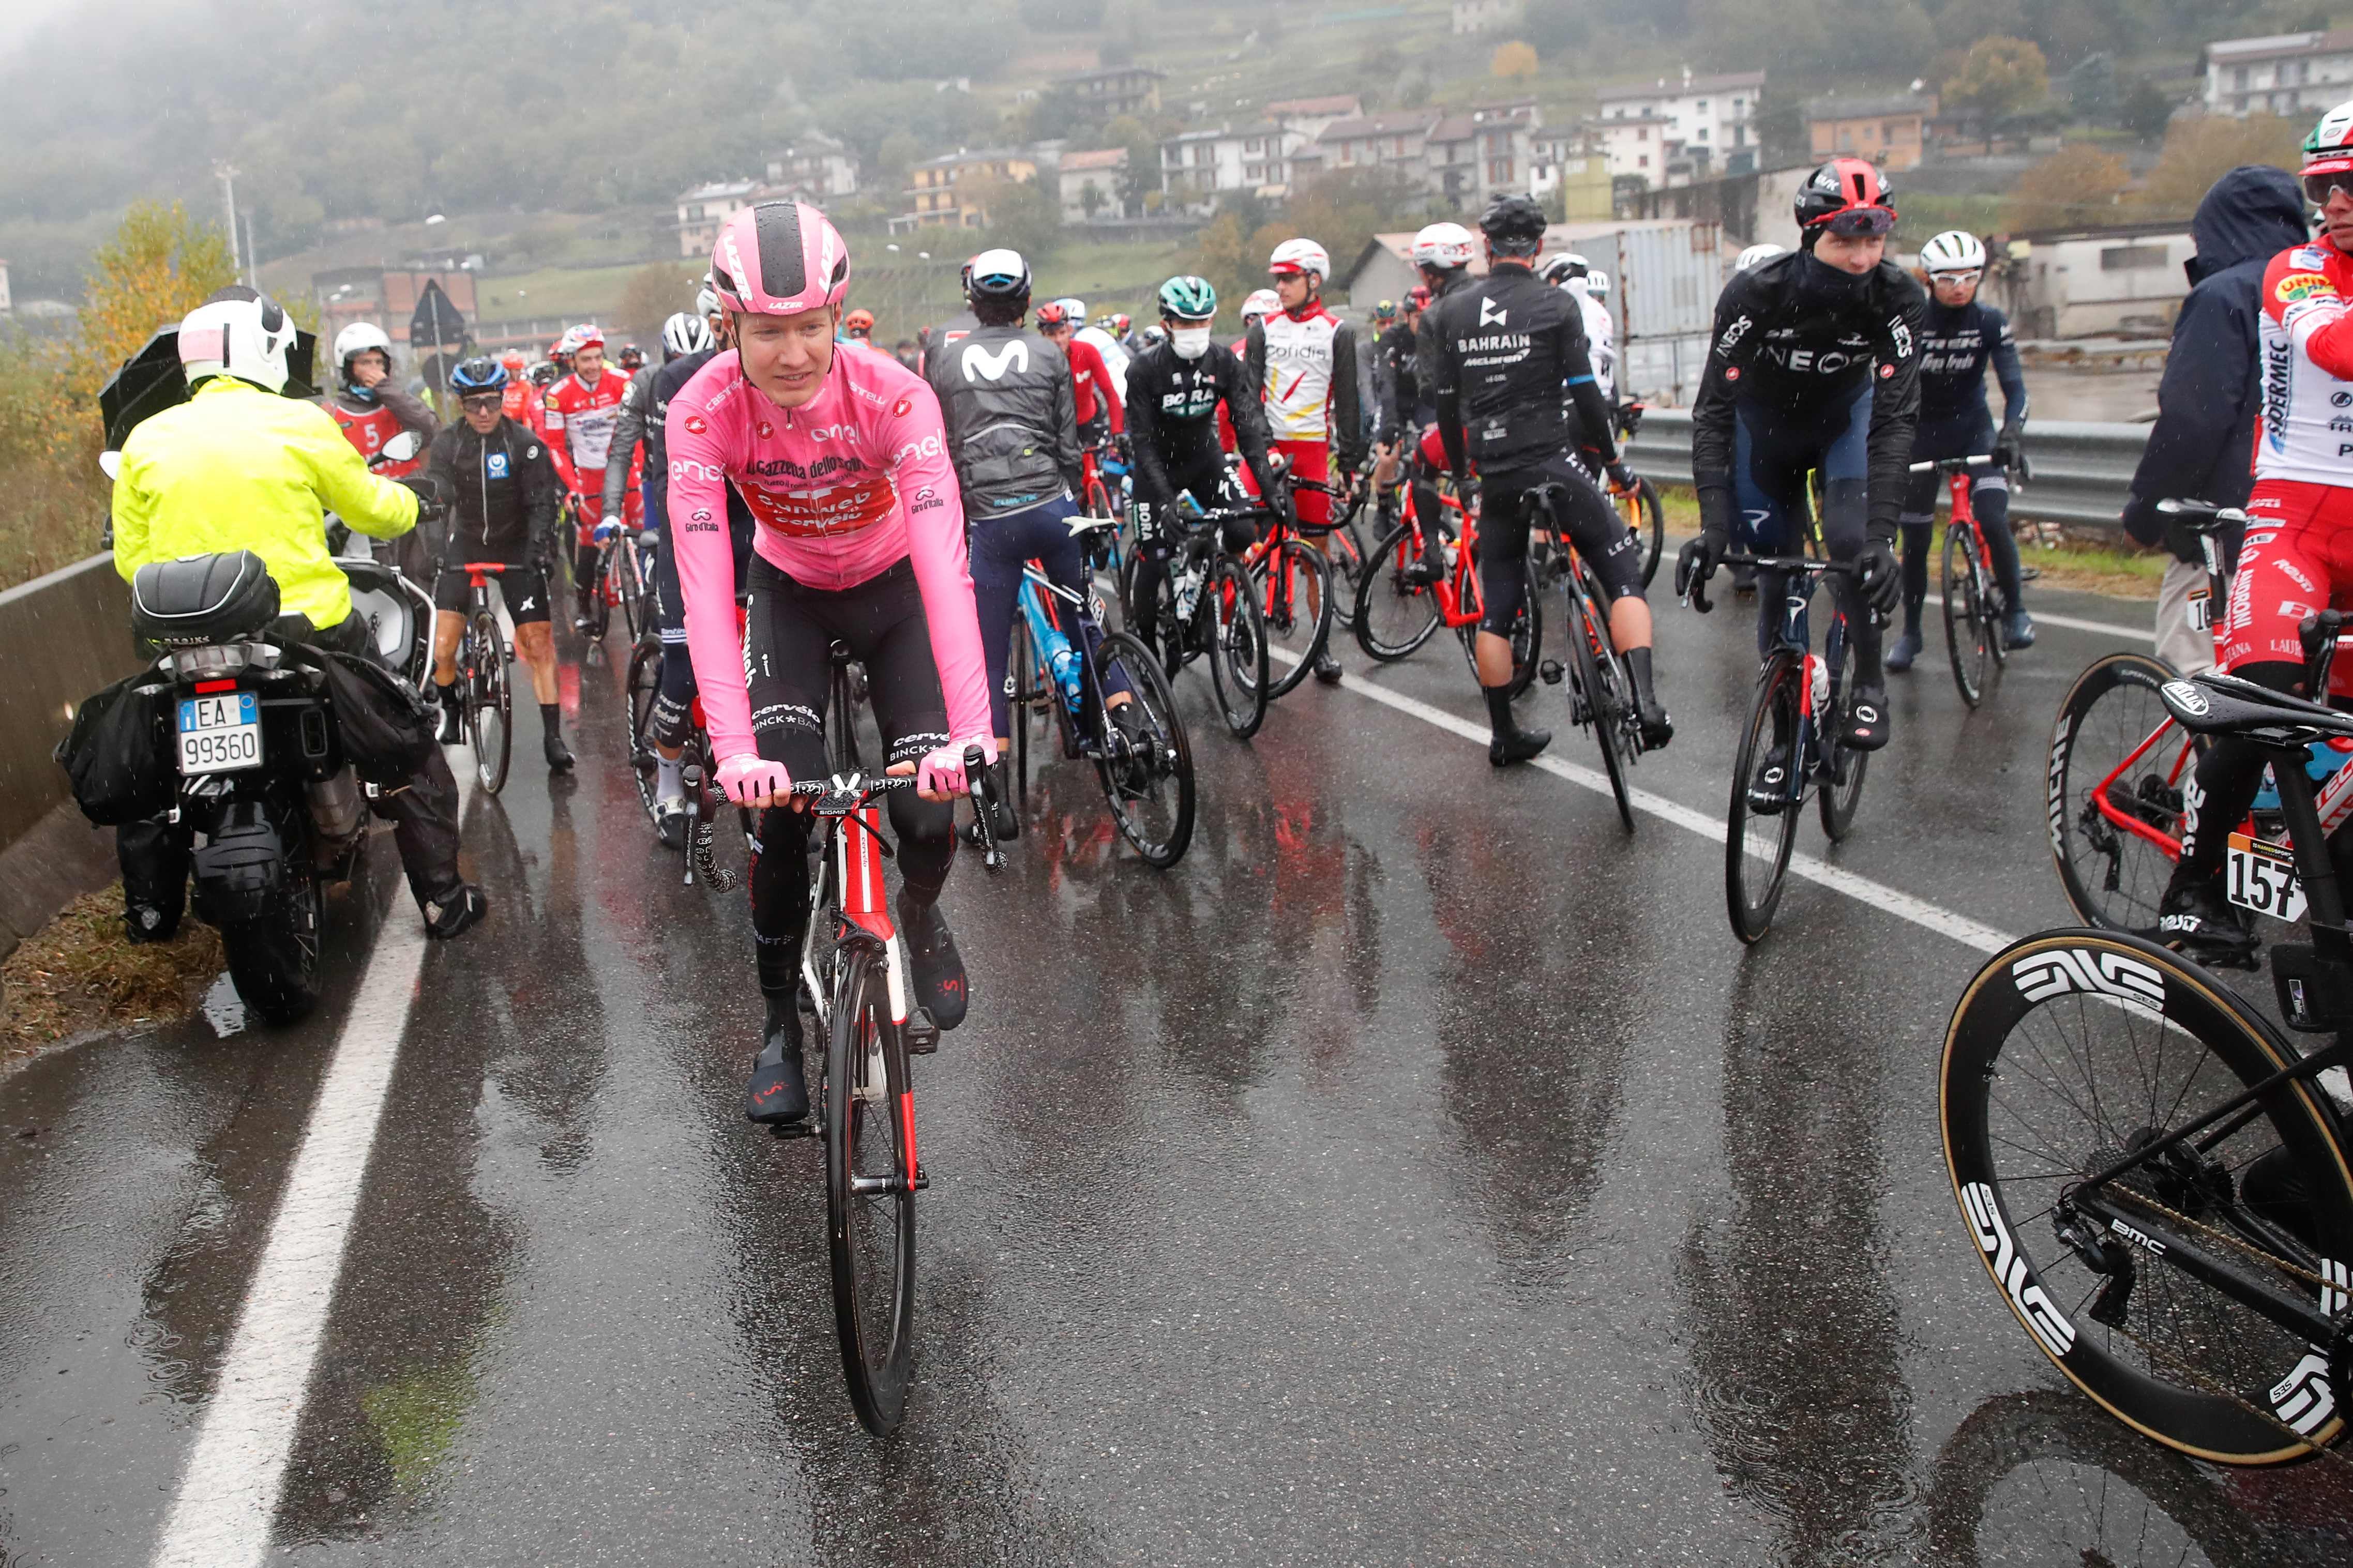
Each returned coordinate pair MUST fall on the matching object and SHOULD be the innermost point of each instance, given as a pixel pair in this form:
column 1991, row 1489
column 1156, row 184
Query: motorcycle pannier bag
column 119, row 753
column 386, row 729
column 201, row 599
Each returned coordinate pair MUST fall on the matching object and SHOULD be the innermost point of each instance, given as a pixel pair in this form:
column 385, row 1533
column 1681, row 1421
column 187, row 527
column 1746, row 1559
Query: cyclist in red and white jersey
column 2298, row 554
column 839, row 452
column 1098, row 411
column 1303, row 358
column 578, row 416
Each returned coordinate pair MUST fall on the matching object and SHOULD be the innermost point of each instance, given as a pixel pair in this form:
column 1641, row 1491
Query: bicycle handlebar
column 1692, row 589
column 1955, row 464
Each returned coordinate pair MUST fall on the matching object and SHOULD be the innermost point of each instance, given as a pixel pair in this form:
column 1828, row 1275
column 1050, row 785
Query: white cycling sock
column 670, row 783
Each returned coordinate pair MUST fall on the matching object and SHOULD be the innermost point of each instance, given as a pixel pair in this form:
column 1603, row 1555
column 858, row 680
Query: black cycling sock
column 551, row 717
column 1638, row 660
column 447, row 690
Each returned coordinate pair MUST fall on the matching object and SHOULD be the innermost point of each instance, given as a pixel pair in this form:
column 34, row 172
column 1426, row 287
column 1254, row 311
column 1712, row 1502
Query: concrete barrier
column 2083, row 472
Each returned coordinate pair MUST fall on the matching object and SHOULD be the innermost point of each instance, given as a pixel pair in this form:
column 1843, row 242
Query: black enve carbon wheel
column 870, row 1196
column 2113, row 876
column 1393, row 617
column 1968, row 629
column 2069, row 1050
column 1756, row 848
column 1227, row 619
column 1150, row 796
column 490, row 702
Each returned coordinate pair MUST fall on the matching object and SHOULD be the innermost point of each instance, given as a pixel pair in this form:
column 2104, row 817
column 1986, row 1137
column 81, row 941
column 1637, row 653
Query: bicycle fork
column 856, row 870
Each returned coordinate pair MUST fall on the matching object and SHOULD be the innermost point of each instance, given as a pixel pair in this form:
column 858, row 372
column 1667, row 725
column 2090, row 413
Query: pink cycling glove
column 747, row 777
column 942, row 769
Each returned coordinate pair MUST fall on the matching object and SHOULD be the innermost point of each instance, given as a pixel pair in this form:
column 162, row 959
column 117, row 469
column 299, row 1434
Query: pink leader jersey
column 843, row 487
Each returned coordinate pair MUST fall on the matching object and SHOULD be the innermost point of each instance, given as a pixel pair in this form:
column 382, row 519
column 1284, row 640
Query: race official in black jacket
column 1495, row 357
column 505, row 497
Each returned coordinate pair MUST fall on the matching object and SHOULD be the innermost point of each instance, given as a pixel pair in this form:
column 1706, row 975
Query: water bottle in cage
column 1189, row 592
column 1818, row 672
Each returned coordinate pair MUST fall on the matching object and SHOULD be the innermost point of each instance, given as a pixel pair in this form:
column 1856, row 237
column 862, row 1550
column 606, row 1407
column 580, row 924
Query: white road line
column 229, row 1494
column 2106, row 628
column 1878, row 895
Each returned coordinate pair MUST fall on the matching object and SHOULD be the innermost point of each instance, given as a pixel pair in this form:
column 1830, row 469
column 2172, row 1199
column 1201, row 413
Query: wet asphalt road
column 1420, row 1174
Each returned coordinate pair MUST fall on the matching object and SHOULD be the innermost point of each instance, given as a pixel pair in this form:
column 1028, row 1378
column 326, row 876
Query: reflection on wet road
column 1418, row 1174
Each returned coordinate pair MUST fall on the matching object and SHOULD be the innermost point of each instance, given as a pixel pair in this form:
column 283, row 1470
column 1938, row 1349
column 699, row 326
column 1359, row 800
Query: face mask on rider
column 1190, row 343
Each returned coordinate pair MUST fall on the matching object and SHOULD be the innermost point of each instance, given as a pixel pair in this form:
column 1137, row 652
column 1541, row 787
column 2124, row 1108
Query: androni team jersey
column 2306, row 430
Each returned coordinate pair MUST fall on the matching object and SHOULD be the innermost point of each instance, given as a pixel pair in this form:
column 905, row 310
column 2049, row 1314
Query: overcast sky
column 18, row 17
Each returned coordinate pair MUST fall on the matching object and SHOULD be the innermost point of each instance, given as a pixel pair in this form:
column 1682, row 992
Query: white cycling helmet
column 358, row 339
column 1263, row 303
column 1445, row 245
column 1597, row 283
column 238, row 332
column 1757, row 253
column 706, row 301
column 1955, row 250
column 1559, row 270
column 684, row 334
column 1076, row 308
column 1296, row 256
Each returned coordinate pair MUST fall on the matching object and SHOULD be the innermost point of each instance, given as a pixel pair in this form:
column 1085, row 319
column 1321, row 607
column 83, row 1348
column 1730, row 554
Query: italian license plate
column 221, row 734
column 2263, row 877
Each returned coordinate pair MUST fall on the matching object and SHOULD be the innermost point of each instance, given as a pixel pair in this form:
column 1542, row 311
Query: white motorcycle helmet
column 1757, row 253
column 358, row 339
column 238, row 332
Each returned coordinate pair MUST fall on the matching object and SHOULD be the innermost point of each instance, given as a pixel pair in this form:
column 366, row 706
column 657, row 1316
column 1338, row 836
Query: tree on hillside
column 1512, row 60
column 1999, row 78
column 2076, row 187
column 160, row 265
column 651, row 295
column 1025, row 216
column 1555, row 27
column 2200, row 150
column 1141, row 178
column 2147, row 108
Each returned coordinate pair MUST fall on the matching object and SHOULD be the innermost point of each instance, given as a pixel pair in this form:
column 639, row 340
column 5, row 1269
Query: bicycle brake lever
column 983, row 791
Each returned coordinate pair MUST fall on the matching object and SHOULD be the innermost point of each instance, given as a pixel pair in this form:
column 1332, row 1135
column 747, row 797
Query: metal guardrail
column 2082, row 471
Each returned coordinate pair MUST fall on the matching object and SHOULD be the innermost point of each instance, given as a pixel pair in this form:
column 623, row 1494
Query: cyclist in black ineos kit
column 1815, row 367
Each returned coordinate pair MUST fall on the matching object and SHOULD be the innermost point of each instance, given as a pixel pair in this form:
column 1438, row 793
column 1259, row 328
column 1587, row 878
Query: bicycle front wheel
column 2117, row 770
column 1765, row 773
column 1295, row 589
column 1842, row 781
column 1527, row 631
column 1345, row 549
column 869, row 1176
column 643, row 687
column 1966, row 626
column 490, row 701
column 2041, row 1091
column 1147, row 767
column 1394, row 618
column 1229, row 616
column 1647, row 520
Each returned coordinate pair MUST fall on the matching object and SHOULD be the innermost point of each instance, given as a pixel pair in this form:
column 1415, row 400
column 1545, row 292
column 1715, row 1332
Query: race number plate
column 2262, row 879
column 220, row 734
column 2201, row 615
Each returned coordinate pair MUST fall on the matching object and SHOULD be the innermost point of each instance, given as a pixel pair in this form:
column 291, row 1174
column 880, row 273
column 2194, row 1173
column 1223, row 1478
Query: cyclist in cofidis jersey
column 1305, row 360
column 578, row 416
column 1815, row 367
column 1958, row 338
column 839, row 453
column 2298, row 554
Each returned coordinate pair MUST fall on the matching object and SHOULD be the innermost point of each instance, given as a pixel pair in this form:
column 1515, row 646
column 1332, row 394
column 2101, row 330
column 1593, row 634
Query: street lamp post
column 226, row 174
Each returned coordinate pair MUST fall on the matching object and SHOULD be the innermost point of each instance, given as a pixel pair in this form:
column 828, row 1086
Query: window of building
column 1642, row 134
column 2239, row 76
column 2131, row 258
column 694, row 213
column 1701, row 135
column 1703, row 106
column 1736, row 104
column 1499, row 171
column 1400, row 148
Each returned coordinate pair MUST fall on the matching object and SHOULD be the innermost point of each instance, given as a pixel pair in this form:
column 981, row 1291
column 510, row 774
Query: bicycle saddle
column 2203, row 516
column 2216, row 704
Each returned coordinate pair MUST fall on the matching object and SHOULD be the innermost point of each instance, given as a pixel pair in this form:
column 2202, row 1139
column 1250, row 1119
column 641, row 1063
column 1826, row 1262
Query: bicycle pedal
column 807, row 1127
column 1551, row 672
column 922, row 1035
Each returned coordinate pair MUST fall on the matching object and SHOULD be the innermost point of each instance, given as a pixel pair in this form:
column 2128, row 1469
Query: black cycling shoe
column 453, row 716
column 559, row 755
column 1509, row 743
column 670, row 823
column 1328, row 668
column 1769, row 791
column 1866, row 719
column 456, row 913
column 1649, row 712
column 778, row 1091
column 2199, row 922
column 940, row 987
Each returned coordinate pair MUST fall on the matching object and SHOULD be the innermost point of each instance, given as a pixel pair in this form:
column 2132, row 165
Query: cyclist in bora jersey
column 1958, row 339
column 838, row 451
column 2298, row 553
column 1815, row 366
column 1303, row 359
column 1496, row 354
column 1175, row 390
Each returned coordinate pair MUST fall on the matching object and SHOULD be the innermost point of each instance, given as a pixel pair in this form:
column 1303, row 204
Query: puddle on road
column 223, row 1008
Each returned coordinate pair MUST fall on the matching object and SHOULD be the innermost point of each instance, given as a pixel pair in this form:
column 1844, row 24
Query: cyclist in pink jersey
column 838, row 452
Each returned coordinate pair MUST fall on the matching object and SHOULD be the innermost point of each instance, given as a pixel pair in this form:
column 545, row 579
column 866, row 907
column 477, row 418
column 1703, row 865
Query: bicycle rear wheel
column 870, row 1172
column 490, row 701
column 1967, row 631
column 1149, row 787
column 2039, row 1091
column 1296, row 589
column 1022, row 706
column 1393, row 617
column 1345, row 549
column 2112, row 731
column 601, row 595
column 1605, row 698
column 1844, row 767
column 1527, row 631
column 1647, row 520
column 1756, row 846
column 1228, row 620
column 643, row 686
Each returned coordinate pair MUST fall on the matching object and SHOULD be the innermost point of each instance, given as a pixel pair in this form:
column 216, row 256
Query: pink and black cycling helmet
column 779, row 258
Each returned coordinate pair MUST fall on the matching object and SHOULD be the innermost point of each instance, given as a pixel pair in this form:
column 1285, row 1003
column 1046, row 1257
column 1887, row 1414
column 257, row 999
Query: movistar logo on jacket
column 979, row 363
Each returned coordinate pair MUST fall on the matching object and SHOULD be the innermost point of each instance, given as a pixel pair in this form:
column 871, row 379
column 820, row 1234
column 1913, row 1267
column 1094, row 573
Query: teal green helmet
column 1189, row 299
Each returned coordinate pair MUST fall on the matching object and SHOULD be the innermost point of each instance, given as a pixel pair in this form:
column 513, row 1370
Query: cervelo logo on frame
column 2033, row 1305
column 2056, row 972
column 993, row 367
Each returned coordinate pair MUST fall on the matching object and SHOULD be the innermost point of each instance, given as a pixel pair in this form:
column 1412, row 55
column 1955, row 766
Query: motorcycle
column 271, row 804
